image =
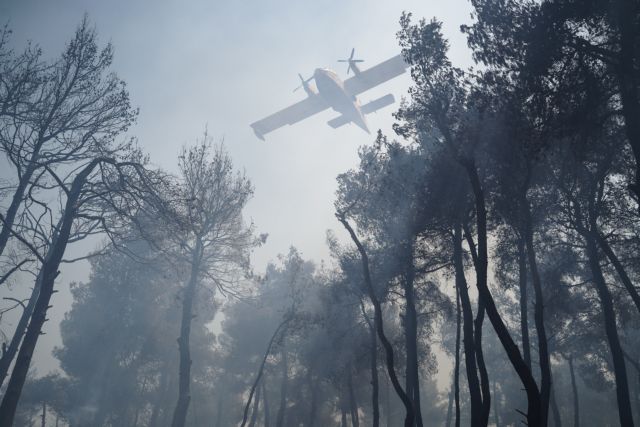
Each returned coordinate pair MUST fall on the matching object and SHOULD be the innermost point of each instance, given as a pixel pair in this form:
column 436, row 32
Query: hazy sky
column 223, row 65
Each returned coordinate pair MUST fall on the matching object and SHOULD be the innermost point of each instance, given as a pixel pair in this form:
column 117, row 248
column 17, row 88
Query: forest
column 484, row 270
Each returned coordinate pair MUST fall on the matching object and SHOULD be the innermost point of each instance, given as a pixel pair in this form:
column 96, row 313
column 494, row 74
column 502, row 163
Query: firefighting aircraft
column 339, row 95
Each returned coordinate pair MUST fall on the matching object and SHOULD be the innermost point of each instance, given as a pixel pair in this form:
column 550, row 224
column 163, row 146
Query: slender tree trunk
column 555, row 410
column 482, row 367
column 219, row 413
column 9, row 217
column 343, row 410
column 49, row 272
column 162, row 389
column 313, row 410
column 574, row 389
column 184, row 372
column 456, row 368
column 410, row 417
column 375, row 384
column 624, row 277
column 353, row 403
column 543, row 350
column 524, row 373
column 256, row 408
column 267, row 413
column 462, row 294
column 260, row 372
column 524, row 303
column 44, row 414
column 412, row 387
column 16, row 339
column 611, row 330
column 449, row 407
column 496, row 413
column 280, row 417
column 628, row 86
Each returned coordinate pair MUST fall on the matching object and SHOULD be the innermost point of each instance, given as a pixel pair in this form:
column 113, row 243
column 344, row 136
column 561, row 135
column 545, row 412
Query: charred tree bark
column 184, row 372
column 513, row 353
column 464, row 302
column 410, row 417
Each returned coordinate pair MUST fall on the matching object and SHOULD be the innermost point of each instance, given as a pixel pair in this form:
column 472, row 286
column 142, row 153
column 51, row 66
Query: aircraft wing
column 375, row 75
column 290, row 115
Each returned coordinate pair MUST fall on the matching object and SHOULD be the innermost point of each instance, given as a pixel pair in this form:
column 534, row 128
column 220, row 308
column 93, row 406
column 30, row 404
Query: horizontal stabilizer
column 338, row 121
column 377, row 104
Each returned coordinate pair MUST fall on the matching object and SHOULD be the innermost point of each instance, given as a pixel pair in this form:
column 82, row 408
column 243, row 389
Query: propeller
column 351, row 61
column 303, row 81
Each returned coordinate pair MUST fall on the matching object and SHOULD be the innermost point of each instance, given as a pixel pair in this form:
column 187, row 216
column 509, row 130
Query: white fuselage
column 331, row 89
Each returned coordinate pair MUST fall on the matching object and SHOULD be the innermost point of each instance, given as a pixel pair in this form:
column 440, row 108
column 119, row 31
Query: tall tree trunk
column 410, row 417
column 219, row 413
column 375, row 383
column 543, row 350
column 16, row 339
column 49, row 272
column 462, row 299
column 280, row 417
column 162, row 390
column 611, row 330
column 260, row 372
column 184, row 372
column 524, row 303
column 267, row 413
column 256, row 408
column 512, row 350
column 624, row 277
column 482, row 367
column 343, row 410
column 353, row 403
column 44, row 414
column 449, row 407
column 313, row 410
column 412, row 387
column 626, row 68
column 574, row 390
column 555, row 410
column 496, row 405
column 9, row 217
column 456, row 368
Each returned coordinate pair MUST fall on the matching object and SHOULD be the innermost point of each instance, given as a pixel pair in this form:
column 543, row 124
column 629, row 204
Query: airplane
column 332, row 92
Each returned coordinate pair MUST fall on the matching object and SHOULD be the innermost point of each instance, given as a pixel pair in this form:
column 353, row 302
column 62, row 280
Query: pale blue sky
column 226, row 64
